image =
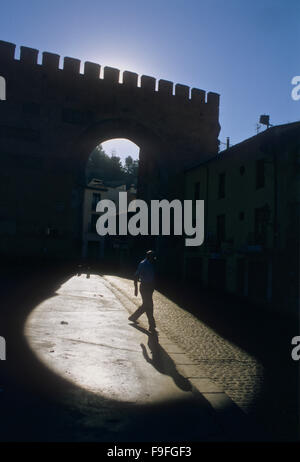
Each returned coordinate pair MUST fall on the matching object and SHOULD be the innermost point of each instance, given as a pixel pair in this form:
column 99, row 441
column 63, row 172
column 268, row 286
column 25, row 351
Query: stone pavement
column 240, row 347
column 235, row 371
column 82, row 335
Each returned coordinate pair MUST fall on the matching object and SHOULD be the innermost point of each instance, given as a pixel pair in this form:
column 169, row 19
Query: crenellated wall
column 91, row 74
column 196, row 101
column 54, row 116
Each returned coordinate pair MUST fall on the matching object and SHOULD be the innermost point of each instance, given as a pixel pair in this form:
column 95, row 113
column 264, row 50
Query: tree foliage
column 101, row 165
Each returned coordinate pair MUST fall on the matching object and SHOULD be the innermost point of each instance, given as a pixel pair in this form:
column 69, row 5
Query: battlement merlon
column 7, row 50
column 71, row 67
column 50, row 61
column 29, row 56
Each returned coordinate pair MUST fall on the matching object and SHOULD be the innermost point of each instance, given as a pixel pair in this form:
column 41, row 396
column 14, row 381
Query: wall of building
column 94, row 246
column 53, row 117
column 264, row 271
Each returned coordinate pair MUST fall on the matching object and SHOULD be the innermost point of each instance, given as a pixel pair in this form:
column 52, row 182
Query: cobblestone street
column 245, row 377
column 82, row 355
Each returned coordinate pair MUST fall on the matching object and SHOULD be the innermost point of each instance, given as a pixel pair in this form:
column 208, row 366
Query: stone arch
column 153, row 150
column 64, row 113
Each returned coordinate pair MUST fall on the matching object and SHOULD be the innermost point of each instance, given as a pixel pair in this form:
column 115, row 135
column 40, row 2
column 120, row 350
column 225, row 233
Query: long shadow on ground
column 264, row 334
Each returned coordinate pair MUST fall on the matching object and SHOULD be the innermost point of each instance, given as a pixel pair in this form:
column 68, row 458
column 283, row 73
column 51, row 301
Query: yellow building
column 251, row 194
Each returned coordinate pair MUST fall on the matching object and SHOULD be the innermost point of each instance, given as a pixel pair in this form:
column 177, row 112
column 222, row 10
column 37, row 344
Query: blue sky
column 248, row 51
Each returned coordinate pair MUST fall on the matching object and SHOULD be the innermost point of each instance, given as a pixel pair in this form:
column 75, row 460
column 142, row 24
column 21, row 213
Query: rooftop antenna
column 227, row 144
column 265, row 120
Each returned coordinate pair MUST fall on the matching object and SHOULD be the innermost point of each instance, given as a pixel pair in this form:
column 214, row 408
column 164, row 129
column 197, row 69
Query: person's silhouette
column 145, row 274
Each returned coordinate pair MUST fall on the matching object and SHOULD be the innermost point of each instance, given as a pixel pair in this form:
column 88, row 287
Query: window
column 241, row 216
column 242, row 170
column 96, row 199
column 221, row 228
column 260, row 173
column 197, row 191
column 221, row 191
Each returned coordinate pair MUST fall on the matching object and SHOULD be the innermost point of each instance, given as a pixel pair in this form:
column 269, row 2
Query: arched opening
column 114, row 161
column 151, row 148
column 151, row 182
column 111, row 169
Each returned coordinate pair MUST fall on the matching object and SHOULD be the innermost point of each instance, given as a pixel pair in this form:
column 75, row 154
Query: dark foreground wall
column 51, row 120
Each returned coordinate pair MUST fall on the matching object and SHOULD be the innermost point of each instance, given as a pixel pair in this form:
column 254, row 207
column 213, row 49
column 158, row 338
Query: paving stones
column 197, row 375
column 235, row 371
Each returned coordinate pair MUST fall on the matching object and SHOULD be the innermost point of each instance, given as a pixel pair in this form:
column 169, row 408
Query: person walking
column 145, row 274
